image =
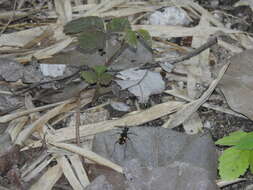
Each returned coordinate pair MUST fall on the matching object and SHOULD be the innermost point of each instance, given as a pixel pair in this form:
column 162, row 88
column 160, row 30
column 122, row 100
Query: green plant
column 92, row 32
column 97, row 75
column 235, row 160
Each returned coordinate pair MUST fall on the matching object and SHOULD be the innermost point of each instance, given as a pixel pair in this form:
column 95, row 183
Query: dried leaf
column 188, row 109
column 48, row 179
column 237, row 83
column 131, row 119
column 69, row 173
column 89, row 155
column 141, row 83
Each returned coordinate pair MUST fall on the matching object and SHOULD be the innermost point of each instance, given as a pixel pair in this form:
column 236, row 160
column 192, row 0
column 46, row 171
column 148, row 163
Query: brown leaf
column 237, row 83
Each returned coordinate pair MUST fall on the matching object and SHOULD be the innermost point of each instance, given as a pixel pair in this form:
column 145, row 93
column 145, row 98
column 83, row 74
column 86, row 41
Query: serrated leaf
column 246, row 142
column 84, row 24
column 89, row 76
column 232, row 139
column 105, row 79
column 131, row 38
column 99, row 69
column 91, row 41
column 233, row 163
column 146, row 36
column 118, row 25
column 251, row 161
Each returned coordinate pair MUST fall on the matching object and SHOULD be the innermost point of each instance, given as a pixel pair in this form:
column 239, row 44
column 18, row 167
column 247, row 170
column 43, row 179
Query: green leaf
column 99, row 69
column 105, row 79
column 146, row 36
column 233, row 163
column 131, row 38
column 246, row 142
column 84, row 24
column 118, row 25
column 89, row 76
column 251, row 161
column 232, row 139
column 91, row 41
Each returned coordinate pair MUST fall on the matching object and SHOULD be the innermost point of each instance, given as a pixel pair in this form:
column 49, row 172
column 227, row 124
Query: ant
column 123, row 138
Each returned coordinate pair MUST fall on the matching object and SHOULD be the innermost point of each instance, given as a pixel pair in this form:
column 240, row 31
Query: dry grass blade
column 46, row 52
column 34, row 173
column 16, row 126
column 225, row 183
column 188, row 109
column 206, row 105
column 12, row 116
column 203, row 11
column 89, row 155
column 229, row 46
column 38, row 124
column 46, row 34
column 21, row 38
column 31, row 166
column 64, row 11
column 78, row 167
column 131, row 119
column 69, row 173
column 102, row 7
column 49, row 178
column 127, row 12
column 179, row 31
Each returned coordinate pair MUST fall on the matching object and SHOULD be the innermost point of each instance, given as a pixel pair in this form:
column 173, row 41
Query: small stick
column 78, row 124
column 78, row 119
column 34, row 85
column 208, row 44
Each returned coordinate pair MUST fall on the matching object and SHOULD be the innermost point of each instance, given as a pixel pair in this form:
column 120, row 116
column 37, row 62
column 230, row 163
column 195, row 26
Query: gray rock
column 176, row 176
column 165, row 159
column 12, row 71
column 8, row 102
column 100, row 183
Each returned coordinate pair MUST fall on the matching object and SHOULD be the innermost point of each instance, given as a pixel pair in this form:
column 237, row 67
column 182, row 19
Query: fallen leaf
column 237, row 83
column 141, row 83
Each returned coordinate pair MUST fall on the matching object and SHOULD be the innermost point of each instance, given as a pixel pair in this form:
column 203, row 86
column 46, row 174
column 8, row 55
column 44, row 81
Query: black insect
column 123, row 138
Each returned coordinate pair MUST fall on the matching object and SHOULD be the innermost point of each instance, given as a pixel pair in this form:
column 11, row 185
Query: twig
column 208, row 44
column 117, row 54
column 78, row 119
column 10, row 20
column 45, row 82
